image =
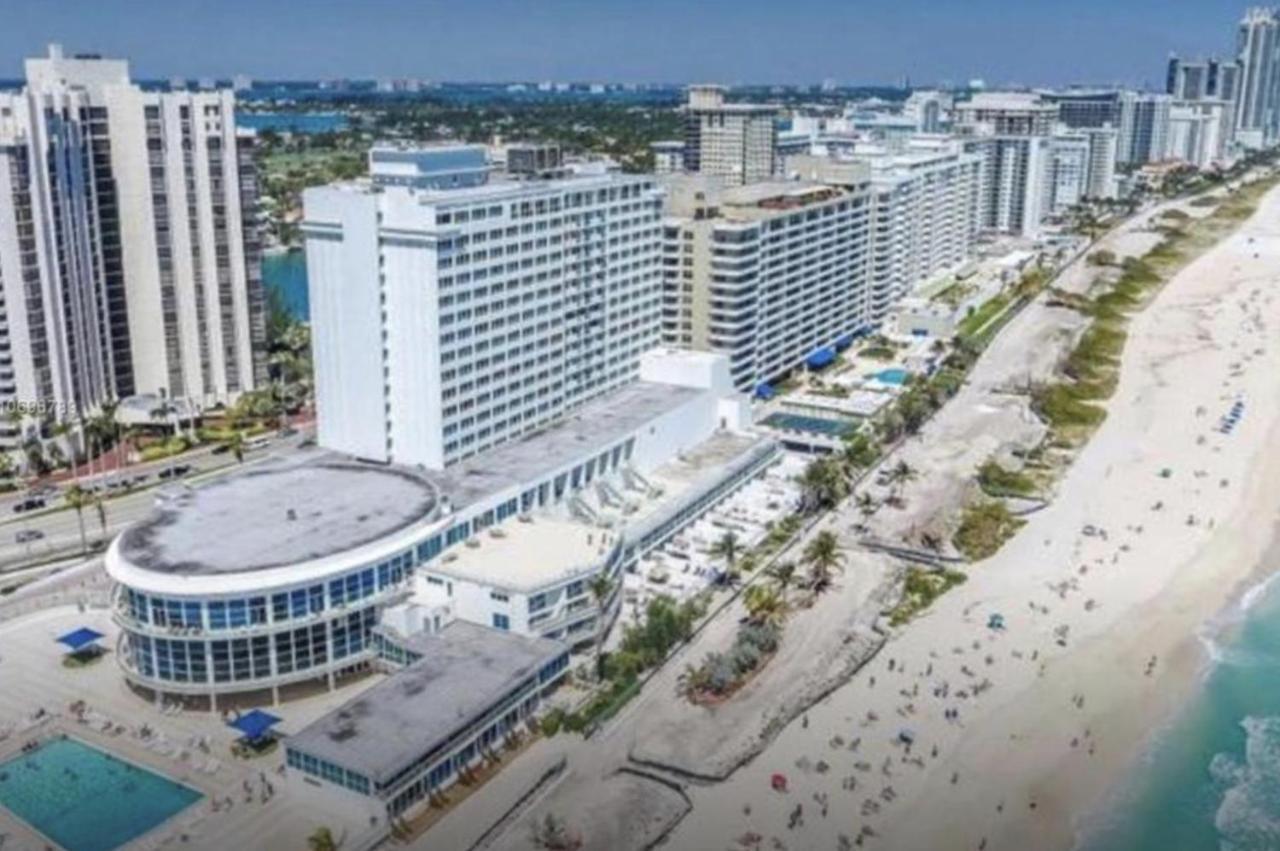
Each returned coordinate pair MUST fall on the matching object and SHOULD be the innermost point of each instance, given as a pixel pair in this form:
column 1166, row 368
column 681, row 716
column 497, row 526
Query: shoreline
column 1185, row 682
column 1211, row 579
column 1156, row 556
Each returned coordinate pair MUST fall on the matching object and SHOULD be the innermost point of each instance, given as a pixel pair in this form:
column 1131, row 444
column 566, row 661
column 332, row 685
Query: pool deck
column 31, row 668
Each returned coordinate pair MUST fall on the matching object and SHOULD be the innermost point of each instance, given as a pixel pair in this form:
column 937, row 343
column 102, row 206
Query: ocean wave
column 1214, row 634
column 1248, row 818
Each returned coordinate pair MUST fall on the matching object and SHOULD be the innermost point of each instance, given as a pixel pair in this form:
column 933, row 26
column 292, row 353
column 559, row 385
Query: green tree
column 783, row 575
column 823, row 484
column 322, row 839
column 860, row 452
column 765, row 605
column 727, row 548
column 77, row 497
column 824, row 559
column 898, row 475
column 601, row 588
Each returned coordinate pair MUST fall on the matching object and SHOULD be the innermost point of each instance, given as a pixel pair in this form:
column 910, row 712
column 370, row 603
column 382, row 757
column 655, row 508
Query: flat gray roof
column 277, row 512
column 464, row 671
column 588, row 430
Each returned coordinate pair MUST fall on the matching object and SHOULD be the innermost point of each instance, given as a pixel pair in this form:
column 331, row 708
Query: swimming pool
column 894, row 375
column 85, row 799
column 813, row 425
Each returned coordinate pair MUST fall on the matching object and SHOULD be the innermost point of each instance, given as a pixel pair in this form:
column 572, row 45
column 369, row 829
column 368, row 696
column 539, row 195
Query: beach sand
column 1102, row 593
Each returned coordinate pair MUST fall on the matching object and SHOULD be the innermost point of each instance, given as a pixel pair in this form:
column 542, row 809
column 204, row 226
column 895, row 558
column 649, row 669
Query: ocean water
column 1210, row 779
column 286, row 273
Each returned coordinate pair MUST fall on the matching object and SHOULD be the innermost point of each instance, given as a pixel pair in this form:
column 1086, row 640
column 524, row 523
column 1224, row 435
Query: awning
column 846, row 341
column 822, row 357
column 255, row 724
column 80, row 638
column 764, row 390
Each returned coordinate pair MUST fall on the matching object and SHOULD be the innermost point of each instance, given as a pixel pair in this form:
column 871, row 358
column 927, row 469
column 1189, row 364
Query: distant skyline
column 731, row 41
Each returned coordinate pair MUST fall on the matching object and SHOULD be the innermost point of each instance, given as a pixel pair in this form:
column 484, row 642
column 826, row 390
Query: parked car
column 175, row 471
column 26, row 536
column 31, row 503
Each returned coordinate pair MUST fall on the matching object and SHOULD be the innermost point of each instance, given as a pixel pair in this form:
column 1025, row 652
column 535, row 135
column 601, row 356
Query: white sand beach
column 1162, row 521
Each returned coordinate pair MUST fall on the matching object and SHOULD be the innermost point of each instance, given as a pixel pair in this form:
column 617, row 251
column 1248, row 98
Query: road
column 59, row 527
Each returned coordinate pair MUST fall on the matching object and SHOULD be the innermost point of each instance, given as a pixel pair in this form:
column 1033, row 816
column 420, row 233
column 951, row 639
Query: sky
column 1031, row 42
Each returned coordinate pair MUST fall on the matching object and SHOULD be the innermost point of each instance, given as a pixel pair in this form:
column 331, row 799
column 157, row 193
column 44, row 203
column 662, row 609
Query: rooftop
column 589, row 429
column 277, row 513
column 528, row 553
column 465, row 669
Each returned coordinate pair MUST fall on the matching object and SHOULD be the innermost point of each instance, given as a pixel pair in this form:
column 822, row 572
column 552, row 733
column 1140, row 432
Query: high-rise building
column 924, row 215
column 927, row 110
column 767, row 274
column 1202, row 79
column 129, row 252
column 735, row 141
column 1144, row 127
column 1010, row 132
column 1258, row 98
column 1101, row 182
column 447, row 321
column 1199, row 131
column 1067, row 174
column 668, row 156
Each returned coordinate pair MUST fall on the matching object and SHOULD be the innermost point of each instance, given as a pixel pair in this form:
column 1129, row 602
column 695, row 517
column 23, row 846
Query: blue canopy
column 80, row 638
column 254, row 724
column 822, row 357
column 764, row 390
column 846, row 341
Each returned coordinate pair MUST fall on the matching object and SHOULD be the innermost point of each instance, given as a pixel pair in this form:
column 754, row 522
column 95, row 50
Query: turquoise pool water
column 85, row 799
column 892, row 376
column 813, row 425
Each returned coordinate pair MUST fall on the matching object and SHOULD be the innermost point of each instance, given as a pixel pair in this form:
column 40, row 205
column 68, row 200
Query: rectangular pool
column 85, row 799
column 813, row 425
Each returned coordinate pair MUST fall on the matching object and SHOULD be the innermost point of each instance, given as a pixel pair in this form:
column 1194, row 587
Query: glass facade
column 324, row 624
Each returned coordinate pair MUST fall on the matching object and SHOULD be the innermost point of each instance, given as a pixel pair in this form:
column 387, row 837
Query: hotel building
column 767, row 274
column 1010, row 132
column 129, row 252
column 447, row 321
column 734, row 141
column 330, row 563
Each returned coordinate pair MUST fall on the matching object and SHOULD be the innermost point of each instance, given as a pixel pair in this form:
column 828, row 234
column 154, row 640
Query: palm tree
column 823, row 484
column 866, row 504
column 61, row 430
column 164, row 413
column 765, row 606
column 77, row 497
column 101, row 507
column 322, row 840
column 783, row 574
column 860, row 452
column 601, row 587
column 899, row 475
column 727, row 548
column 235, row 443
column 824, row 558
column 694, row 679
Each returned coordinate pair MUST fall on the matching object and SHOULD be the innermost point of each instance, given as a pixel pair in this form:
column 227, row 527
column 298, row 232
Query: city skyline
column 805, row 42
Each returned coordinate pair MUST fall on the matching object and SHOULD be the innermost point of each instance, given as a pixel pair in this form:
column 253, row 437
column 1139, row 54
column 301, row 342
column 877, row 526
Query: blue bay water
column 292, row 122
column 287, row 274
column 1210, row 781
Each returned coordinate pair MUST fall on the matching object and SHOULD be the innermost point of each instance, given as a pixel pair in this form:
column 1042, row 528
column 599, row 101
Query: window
column 501, row 621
